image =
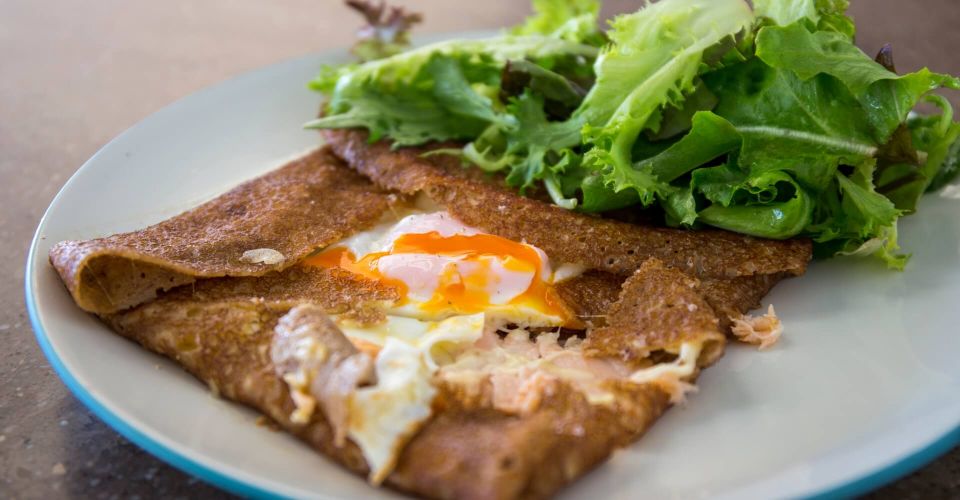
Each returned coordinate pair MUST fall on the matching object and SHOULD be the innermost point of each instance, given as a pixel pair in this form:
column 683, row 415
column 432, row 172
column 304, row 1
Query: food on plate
column 413, row 338
column 426, row 325
column 768, row 122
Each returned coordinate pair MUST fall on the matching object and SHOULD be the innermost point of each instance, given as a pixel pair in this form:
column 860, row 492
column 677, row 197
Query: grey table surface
column 75, row 74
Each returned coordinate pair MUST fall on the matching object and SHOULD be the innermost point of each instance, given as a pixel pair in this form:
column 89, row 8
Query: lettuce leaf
column 433, row 93
column 784, row 12
column 710, row 137
column 939, row 137
column 768, row 122
column 561, row 95
column 811, row 103
column 772, row 219
column 652, row 62
column 807, row 54
column 572, row 20
column 825, row 15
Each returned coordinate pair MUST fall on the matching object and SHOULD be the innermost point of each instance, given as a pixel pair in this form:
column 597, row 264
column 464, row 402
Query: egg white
column 384, row 416
column 421, row 272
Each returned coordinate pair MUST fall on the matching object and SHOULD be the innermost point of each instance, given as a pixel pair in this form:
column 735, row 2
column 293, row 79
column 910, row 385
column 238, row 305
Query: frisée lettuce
column 766, row 121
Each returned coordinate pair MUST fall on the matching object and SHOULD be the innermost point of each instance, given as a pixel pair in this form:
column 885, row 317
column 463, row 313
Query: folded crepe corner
column 268, row 224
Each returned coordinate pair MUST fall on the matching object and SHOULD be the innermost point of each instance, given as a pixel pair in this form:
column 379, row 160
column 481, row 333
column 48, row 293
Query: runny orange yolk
column 463, row 293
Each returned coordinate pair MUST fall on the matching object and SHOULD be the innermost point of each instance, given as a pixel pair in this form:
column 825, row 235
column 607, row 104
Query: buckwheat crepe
column 224, row 291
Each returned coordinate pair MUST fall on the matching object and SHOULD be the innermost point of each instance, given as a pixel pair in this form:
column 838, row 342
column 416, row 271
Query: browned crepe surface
column 592, row 293
column 566, row 236
column 305, row 205
column 658, row 308
column 219, row 322
column 335, row 290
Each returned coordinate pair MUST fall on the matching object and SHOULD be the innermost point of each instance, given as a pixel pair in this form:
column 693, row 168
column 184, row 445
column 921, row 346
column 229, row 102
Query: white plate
column 864, row 388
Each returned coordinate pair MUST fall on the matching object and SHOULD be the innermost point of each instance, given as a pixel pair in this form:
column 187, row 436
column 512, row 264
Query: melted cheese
column 384, row 416
column 671, row 377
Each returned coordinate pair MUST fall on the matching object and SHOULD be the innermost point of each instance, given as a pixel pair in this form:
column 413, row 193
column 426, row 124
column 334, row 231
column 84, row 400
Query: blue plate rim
column 148, row 444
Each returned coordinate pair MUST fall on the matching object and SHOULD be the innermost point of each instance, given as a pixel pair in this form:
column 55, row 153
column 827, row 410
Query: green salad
column 766, row 121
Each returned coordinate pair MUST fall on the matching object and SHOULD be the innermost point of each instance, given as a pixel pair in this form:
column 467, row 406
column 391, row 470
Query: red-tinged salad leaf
column 387, row 31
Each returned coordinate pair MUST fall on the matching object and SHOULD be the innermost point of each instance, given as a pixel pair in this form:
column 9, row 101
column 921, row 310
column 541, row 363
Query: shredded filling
column 763, row 331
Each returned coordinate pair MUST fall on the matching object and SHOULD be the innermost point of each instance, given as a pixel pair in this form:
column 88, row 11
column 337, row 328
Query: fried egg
column 459, row 288
column 444, row 268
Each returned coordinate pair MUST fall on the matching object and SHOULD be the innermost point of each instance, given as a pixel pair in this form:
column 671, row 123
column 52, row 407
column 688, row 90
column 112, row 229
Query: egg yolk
column 460, row 273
